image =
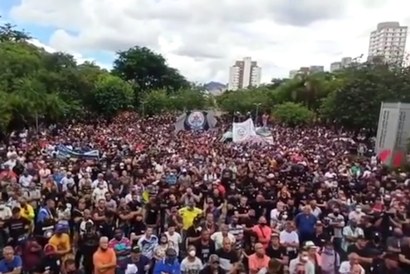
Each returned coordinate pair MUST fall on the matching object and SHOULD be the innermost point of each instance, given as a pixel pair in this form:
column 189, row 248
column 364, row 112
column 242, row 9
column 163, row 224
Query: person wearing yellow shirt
column 27, row 210
column 60, row 241
column 188, row 214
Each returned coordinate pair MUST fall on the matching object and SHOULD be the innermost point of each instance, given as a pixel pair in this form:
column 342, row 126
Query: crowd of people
column 315, row 201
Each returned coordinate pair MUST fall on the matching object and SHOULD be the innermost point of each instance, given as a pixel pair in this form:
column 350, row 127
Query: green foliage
column 111, row 94
column 245, row 100
column 159, row 101
column 147, row 71
column 293, row 114
column 50, row 87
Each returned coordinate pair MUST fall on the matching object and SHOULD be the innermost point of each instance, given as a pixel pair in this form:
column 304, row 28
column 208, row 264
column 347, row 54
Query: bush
column 293, row 114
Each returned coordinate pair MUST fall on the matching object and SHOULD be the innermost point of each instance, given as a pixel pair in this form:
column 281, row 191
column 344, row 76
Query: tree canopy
column 39, row 86
column 350, row 98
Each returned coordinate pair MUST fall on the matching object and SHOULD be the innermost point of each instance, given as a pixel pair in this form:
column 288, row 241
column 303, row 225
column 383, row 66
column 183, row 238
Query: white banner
column 242, row 131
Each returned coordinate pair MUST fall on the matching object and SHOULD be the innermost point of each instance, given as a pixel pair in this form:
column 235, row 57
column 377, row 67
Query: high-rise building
column 346, row 62
column 389, row 42
column 244, row 74
column 335, row 66
column 316, row 69
column 305, row 71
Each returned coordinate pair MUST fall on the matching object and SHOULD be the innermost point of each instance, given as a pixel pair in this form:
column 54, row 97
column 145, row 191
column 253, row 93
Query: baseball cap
column 135, row 249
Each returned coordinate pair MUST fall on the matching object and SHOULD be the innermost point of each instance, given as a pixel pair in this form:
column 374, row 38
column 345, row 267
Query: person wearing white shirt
column 100, row 181
column 5, row 212
column 66, row 181
column 357, row 214
column 289, row 238
column 351, row 266
column 174, row 238
column 99, row 193
column 301, row 264
column 350, row 234
column 274, row 213
column 25, row 179
column 219, row 236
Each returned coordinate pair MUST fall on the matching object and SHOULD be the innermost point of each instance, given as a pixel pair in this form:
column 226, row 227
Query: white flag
column 242, row 131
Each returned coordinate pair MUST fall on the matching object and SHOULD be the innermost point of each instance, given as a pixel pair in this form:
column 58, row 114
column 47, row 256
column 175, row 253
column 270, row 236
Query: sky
column 203, row 38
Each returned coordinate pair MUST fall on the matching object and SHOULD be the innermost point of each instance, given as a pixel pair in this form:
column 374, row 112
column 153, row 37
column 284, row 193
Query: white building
column 389, row 42
column 335, row 66
column 244, row 74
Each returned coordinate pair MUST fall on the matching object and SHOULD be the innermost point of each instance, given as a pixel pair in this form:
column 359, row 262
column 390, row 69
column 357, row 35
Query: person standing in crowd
column 191, row 264
column 137, row 263
column 169, row 264
column 258, row 260
column 302, row 264
column 10, row 263
column 213, row 266
column 104, row 259
column 151, row 191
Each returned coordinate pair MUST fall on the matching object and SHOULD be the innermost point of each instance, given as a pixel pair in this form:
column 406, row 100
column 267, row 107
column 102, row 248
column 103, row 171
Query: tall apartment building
column 305, row 71
column 389, row 42
column 244, row 74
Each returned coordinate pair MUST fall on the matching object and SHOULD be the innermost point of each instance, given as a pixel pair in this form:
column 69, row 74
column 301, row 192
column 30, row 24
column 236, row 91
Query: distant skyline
column 203, row 40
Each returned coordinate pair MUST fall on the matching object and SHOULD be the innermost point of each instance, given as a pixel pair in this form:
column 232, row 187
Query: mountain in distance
column 215, row 88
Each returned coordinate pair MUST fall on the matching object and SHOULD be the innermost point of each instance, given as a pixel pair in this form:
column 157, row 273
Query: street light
column 256, row 113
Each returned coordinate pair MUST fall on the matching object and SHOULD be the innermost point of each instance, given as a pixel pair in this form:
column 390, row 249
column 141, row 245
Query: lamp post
column 256, row 112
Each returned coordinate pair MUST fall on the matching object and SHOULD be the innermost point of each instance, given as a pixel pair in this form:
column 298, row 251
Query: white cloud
column 202, row 38
column 78, row 57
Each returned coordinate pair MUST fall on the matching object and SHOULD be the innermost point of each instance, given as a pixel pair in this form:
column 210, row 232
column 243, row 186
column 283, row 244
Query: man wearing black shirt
column 88, row 244
column 18, row 227
column 275, row 250
column 365, row 254
column 228, row 257
column 107, row 227
column 204, row 246
column 320, row 236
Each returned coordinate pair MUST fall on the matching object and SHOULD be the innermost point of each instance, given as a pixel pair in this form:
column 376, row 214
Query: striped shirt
column 237, row 231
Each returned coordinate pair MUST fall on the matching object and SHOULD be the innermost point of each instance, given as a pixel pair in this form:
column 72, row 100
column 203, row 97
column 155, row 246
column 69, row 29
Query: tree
column 293, row 114
column 155, row 102
column 245, row 100
column 8, row 32
column 356, row 104
column 147, row 71
column 111, row 95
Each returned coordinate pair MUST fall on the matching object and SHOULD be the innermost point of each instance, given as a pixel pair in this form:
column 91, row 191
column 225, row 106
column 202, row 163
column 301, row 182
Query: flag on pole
column 243, row 131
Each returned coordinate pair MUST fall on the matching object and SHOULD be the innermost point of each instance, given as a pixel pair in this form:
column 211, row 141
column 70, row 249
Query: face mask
column 336, row 213
column 304, row 258
column 358, row 210
column 192, row 253
column 164, row 241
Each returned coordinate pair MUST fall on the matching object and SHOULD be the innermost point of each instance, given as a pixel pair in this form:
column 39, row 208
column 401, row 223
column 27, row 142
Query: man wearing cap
column 168, row 265
column 213, row 266
column 137, row 263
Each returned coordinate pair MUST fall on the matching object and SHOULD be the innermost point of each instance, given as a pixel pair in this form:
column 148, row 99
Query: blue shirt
column 305, row 223
column 6, row 266
column 162, row 266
